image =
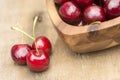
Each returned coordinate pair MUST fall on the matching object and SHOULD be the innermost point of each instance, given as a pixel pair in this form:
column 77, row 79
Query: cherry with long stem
column 34, row 34
column 33, row 37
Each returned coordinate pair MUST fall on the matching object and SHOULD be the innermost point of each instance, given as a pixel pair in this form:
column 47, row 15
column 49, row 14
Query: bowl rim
column 68, row 29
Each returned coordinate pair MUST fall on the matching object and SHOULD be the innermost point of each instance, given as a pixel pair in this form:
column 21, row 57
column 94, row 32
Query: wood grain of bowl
column 87, row 38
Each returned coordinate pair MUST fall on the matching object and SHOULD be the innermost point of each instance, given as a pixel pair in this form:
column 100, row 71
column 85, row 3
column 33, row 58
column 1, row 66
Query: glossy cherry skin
column 70, row 12
column 38, row 62
column 61, row 1
column 19, row 52
column 94, row 13
column 42, row 43
column 112, row 8
column 103, row 1
column 84, row 3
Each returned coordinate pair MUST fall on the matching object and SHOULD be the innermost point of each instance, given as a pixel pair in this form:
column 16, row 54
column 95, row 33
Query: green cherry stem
column 33, row 37
column 23, row 32
column 96, row 22
column 34, row 34
column 34, row 25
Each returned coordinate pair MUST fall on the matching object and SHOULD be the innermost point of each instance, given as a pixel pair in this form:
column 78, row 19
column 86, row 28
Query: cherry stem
column 34, row 25
column 33, row 37
column 20, row 30
column 96, row 22
column 34, row 34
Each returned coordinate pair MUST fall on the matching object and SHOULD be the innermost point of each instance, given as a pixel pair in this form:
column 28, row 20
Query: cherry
column 84, row 3
column 70, row 12
column 112, row 8
column 61, row 1
column 38, row 61
column 19, row 52
column 42, row 43
column 103, row 1
column 94, row 13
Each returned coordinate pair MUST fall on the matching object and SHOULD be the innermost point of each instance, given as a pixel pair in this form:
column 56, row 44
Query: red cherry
column 84, row 3
column 70, row 12
column 38, row 61
column 112, row 8
column 19, row 52
column 94, row 13
column 103, row 1
column 61, row 1
column 42, row 43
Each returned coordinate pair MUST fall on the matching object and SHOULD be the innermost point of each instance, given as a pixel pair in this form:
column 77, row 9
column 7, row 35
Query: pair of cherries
column 81, row 12
column 36, row 57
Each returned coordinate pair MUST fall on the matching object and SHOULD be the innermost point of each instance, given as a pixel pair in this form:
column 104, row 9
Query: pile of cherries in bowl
column 82, row 12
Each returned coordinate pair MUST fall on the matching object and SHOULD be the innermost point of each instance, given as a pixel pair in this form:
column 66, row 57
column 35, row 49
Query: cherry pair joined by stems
column 37, row 56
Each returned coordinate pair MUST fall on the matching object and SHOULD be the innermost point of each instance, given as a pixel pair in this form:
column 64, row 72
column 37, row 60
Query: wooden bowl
column 87, row 38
